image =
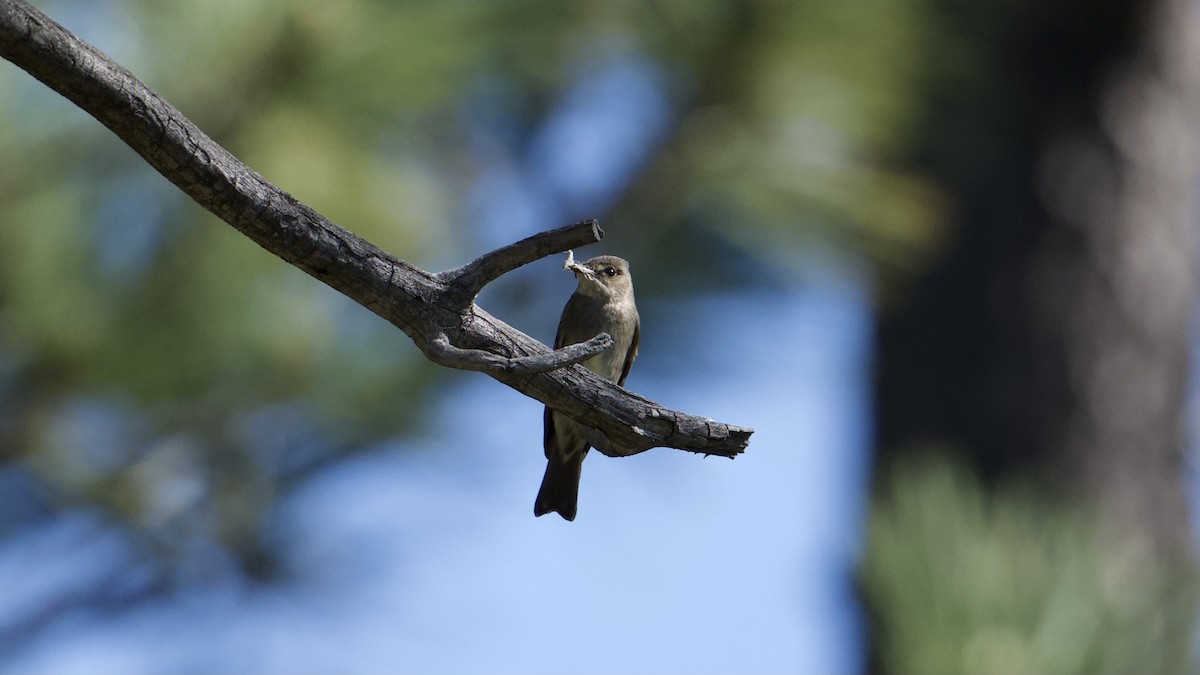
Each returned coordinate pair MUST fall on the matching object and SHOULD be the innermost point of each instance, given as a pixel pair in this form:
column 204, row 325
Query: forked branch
column 436, row 310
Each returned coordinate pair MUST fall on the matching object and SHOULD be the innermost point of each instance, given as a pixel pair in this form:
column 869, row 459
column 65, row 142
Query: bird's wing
column 572, row 308
column 549, row 440
column 632, row 353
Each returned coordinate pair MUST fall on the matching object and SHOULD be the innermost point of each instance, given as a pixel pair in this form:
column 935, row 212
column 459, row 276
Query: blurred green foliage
column 156, row 364
column 970, row 580
column 122, row 305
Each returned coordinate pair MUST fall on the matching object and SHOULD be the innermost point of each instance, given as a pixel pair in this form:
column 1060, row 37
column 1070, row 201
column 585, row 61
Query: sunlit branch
column 436, row 310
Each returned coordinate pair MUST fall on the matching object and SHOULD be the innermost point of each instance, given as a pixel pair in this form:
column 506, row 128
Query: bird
column 602, row 302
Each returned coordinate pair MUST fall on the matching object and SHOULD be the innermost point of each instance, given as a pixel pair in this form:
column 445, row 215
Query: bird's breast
column 608, row 363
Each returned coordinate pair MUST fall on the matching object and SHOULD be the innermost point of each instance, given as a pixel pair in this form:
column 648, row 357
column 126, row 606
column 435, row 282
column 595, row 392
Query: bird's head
column 605, row 276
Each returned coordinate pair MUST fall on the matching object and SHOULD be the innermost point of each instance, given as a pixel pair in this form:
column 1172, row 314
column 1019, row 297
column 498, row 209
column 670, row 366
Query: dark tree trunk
column 1053, row 339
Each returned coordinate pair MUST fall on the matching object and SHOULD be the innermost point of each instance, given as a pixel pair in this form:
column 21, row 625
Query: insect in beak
column 575, row 267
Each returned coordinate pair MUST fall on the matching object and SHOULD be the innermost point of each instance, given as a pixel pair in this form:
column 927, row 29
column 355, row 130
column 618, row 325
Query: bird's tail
column 560, row 487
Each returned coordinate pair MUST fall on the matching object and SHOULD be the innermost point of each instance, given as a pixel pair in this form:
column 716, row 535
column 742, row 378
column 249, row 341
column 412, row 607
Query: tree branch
column 443, row 353
column 472, row 277
column 436, row 310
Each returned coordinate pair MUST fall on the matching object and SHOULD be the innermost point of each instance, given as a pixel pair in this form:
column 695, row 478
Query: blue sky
column 422, row 555
column 426, row 557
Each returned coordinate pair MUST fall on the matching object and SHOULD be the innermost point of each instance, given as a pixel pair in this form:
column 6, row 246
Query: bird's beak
column 575, row 267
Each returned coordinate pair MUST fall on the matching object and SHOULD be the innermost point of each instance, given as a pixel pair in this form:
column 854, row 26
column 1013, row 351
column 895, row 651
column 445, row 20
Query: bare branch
column 472, row 277
column 436, row 310
column 443, row 353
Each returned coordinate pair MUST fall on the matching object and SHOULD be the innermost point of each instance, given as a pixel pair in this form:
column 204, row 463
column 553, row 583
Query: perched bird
column 602, row 303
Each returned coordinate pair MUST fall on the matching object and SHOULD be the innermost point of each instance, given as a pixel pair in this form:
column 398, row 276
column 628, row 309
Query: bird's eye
column 610, row 271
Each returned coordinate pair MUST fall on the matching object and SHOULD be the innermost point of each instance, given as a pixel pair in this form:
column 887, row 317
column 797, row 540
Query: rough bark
column 436, row 310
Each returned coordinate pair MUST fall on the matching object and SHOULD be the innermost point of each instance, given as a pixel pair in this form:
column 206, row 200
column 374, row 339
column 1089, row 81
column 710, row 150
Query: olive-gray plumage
column 602, row 303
